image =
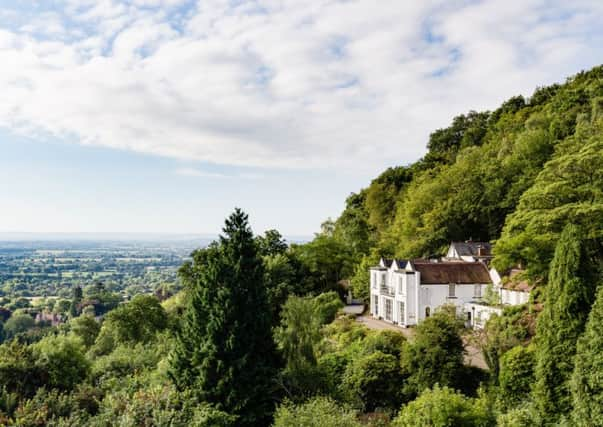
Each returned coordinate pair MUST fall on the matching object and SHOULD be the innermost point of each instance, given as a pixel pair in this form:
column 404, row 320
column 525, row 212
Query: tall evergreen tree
column 587, row 381
column 568, row 301
column 224, row 351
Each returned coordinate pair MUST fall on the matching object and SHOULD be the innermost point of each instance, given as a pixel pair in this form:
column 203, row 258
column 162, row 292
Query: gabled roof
column 471, row 248
column 453, row 272
column 400, row 264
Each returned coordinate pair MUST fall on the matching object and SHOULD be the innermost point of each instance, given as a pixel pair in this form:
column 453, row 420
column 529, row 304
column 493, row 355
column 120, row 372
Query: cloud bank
column 353, row 84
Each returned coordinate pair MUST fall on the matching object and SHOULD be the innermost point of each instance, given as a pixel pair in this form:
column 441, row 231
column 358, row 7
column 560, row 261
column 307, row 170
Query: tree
column 19, row 372
column 78, row 295
column 317, row 412
column 134, row 322
column 327, row 260
column 63, row 358
column 224, row 349
column 435, row 356
column 567, row 190
column 516, row 375
column 587, row 379
column 271, row 243
column 281, row 280
column 86, row 328
column 17, row 324
column 326, row 306
column 568, row 300
column 299, row 334
column 443, row 407
column 374, row 381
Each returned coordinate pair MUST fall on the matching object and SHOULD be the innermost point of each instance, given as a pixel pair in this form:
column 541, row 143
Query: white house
column 470, row 251
column 406, row 292
column 515, row 290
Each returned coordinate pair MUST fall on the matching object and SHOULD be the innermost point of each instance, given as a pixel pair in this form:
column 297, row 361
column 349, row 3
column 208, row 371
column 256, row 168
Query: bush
column 516, row 375
column 64, row 360
column 435, row 356
column 443, row 407
column 386, row 341
column 317, row 412
column 373, row 381
column 86, row 328
column 17, row 324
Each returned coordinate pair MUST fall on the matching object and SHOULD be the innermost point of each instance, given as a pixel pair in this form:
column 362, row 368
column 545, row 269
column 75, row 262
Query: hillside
column 514, row 176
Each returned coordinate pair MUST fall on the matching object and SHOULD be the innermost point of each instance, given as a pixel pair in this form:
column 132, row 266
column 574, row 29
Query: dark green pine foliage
column 569, row 297
column 587, row 381
column 224, row 351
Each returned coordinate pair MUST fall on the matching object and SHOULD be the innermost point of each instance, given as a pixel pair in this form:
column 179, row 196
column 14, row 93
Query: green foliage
column 224, row 350
column 86, row 328
column 502, row 333
column 443, row 407
column 271, row 243
column 587, row 379
column 327, row 261
column 159, row 406
column 317, row 412
column 435, row 356
column 385, row 341
column 299, row 333
column 352, row 227
column 326, row 306
column 282, row 279
column 569, row 189
column 361, row 279
column 137, row 321
column 516, row 375
column 567, row 305
column 63, row 358
column 524, row 415
column 19, row 372
column 374, row 381
column 17, row 324
column 123, row 361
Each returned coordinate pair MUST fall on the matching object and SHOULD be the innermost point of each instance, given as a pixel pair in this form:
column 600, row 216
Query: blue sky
column 163, row 115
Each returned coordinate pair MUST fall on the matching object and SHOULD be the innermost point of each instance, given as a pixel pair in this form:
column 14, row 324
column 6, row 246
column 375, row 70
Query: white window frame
column 452, row 290
column 477, row 291
column 400, row 285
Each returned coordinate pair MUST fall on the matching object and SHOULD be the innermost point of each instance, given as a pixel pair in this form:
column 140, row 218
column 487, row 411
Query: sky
column 163, row 115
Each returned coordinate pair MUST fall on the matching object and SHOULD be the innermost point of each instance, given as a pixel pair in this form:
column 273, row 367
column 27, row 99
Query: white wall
column 511, row 297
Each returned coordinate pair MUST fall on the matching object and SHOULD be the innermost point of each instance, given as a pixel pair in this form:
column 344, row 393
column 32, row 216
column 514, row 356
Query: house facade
column 406, row 292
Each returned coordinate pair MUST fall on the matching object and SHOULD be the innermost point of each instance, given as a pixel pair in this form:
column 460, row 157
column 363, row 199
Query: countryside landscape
column 305, row 241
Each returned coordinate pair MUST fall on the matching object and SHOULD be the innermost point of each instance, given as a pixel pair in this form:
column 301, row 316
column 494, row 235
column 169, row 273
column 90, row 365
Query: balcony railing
column 386, row 290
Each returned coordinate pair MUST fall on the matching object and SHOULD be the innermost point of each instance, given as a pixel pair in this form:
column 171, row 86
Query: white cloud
column 348, row 84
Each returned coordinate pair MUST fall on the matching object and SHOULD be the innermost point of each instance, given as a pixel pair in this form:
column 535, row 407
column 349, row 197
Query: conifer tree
column 224, row 351
column 568, row 300
column 587, row 381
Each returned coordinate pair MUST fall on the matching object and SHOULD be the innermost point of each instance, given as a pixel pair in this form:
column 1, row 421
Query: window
column 383, row 279
column 427, row 312
column 401, row 313
column 452, row 290
column 376, row 311
column 477, row 291
column 374, row 280
column 388, row 309
column 400, row 286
